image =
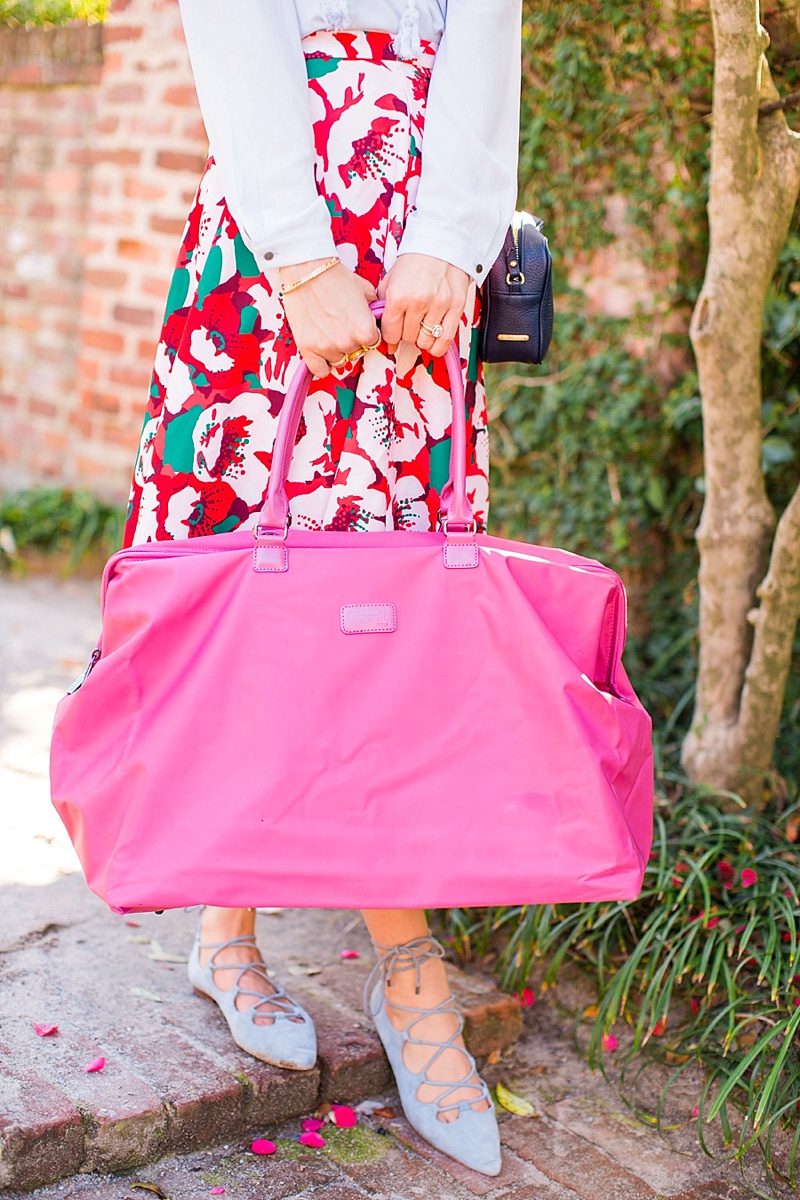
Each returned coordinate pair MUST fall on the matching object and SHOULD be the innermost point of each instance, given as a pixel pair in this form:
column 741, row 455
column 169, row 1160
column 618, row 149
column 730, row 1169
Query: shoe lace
column 404, row 956
column 258, row 968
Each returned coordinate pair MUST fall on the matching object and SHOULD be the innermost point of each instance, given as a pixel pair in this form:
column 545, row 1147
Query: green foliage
column 52, row 519
column 702, row 968
column 30, row 13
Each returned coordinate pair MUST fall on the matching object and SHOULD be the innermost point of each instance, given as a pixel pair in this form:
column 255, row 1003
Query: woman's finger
column 450, row 323
column 316, row 364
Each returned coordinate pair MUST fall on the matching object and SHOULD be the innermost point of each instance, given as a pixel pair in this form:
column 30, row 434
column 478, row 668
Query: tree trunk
column 745, row 648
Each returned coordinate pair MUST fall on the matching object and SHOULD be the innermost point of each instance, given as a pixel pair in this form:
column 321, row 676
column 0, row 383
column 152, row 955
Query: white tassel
column 338, row 14
column 406, row 41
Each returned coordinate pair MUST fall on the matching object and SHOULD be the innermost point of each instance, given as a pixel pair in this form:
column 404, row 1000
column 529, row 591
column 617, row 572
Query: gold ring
column 353, row 355
column 436, row 331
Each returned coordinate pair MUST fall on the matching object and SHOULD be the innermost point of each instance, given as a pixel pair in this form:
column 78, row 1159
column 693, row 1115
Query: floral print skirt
column 373, row 445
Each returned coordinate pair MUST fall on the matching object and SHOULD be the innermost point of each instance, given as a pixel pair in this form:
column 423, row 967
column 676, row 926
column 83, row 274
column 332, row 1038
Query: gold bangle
column 289, row 287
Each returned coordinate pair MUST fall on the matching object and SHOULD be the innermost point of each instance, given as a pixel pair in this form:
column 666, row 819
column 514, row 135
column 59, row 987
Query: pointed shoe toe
column 472, row 1137
column 282, row 1042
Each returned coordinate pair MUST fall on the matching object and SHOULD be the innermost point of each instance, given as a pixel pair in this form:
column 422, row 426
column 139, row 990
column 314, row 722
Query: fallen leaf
column 45, row 1030
column 145, row 995
column 263, row 1146
column 299, row 969
column 158, row 953
column 494, row 1056
column 151, row 1187
column 590, row 1011
column 386, row 1111
column 515, row 1104
column 96, row 1064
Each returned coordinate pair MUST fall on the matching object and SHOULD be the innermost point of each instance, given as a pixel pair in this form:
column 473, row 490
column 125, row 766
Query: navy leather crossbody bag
column 516, row 322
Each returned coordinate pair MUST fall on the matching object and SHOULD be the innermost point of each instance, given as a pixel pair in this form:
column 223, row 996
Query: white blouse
column 249, row 71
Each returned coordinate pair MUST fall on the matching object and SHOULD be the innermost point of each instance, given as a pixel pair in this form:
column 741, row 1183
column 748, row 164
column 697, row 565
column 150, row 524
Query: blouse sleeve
column 250, row 77
column 467, row 190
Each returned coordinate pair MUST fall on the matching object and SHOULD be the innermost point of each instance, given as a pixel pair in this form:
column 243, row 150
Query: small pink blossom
column 609, row 1041
column 311, row 1124
column 263, row 1146
column 344, row 1116
column 45, row 1030
column 524, row 998
column 748, row 877
column 725, row 869
column 695, row 1111
column 96, row 1064
column 659, row 1027
column 712, row 921
column 694, row 1005
column 349, row 954
column 311, row 1139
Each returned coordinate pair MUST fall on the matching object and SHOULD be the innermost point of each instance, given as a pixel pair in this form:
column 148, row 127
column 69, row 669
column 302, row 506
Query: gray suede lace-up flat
column 282, row 1042
column 473, row 1137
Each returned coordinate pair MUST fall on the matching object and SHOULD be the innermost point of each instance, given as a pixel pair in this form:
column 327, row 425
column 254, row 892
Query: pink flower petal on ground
column 311, row 1124
column 45, row 1030
column 695, row 1111
column 343, row 1116
column 748, row 877
column 135, row 924
column 96, row 1064
column 609, row 1041
column 311, row 1139
column 659, row 1027
column 725, row 869
column 525, row 998
column 695, row 1006
column 217, row 1191
column 263, row 1146
column 712, row 921
column 349, row 954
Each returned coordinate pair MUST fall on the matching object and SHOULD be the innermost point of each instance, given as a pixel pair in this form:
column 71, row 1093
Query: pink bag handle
column 454, row 508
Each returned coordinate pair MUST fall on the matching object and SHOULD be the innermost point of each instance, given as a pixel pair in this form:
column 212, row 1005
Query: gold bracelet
column 289, row 287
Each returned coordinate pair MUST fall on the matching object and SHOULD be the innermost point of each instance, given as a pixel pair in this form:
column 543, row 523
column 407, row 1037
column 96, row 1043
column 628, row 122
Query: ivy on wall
column 599, row 449
column 51, row 12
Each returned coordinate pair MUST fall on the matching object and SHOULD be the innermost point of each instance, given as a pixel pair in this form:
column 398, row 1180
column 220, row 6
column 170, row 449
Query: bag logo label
column 368, row 618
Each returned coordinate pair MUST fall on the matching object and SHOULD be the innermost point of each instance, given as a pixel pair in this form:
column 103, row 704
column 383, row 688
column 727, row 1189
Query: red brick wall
column 101, row 146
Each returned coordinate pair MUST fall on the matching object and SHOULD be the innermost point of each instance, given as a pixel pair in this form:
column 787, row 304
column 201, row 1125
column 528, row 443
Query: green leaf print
column 247, row 318
column 178, row 291
column 320, row 66
column 245, row 259
column 345, row 399
column 178, row 444
column 212, row 273
column 440, row 464
column 472, row 365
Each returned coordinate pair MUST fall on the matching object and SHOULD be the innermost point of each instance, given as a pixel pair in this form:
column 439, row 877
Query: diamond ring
column 436, row 331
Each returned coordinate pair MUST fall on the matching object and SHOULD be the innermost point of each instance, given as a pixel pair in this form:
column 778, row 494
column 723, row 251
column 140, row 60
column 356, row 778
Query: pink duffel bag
column 399, row 718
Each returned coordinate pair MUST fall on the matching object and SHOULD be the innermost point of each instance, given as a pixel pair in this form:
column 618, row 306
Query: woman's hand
column 329, row 316
column 420, row 287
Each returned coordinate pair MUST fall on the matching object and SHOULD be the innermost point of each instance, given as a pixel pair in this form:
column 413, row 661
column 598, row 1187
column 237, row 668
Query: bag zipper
column 76, row 683
column 205, row 545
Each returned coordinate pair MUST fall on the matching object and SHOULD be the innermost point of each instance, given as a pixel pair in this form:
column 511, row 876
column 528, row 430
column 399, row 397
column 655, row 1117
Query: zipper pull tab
column 73, row 687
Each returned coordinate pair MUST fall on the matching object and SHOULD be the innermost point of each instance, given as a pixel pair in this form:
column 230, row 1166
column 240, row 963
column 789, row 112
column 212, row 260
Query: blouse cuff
column 422, row 235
